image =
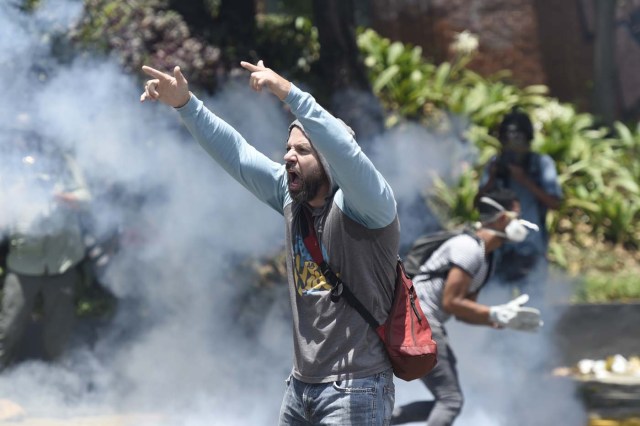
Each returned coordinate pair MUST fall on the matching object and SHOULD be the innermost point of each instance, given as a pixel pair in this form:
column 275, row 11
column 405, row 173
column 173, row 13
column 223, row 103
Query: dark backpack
column 425, row 245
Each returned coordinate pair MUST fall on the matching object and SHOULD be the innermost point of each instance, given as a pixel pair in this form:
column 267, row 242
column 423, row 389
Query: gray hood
column 323, row 161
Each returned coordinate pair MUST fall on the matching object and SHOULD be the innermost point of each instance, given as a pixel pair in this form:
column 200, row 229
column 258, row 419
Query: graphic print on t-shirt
column 306, row 273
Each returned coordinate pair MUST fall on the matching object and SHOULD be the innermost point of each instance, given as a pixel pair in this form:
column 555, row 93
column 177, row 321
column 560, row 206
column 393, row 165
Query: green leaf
column 395, row 50
column 475, row 98
column 385, row 77
column 536, row 89
column 626, row 137
column 442, row 74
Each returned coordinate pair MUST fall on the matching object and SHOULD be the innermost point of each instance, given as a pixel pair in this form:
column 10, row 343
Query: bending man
column 448, row 284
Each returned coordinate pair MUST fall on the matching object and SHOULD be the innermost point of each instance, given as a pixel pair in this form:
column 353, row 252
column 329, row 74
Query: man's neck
column 492, row 241
column 320, row 198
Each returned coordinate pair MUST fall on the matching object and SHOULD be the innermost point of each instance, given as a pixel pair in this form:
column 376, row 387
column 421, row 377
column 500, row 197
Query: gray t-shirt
column 331, row 340
column 462, row 251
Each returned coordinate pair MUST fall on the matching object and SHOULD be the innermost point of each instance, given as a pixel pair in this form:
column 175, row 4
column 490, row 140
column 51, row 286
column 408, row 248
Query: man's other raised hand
column 262, row 76
column 171, row 90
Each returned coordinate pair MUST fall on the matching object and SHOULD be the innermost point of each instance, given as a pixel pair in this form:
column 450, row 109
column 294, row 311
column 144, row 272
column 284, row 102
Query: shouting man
column 341, row 373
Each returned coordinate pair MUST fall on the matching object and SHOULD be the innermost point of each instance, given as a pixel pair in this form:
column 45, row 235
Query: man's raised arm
column 263, row 177
column 368, row 198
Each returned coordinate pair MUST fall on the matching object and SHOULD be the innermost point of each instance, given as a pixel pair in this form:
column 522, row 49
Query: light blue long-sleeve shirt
column 364, row 194
column 357, row 228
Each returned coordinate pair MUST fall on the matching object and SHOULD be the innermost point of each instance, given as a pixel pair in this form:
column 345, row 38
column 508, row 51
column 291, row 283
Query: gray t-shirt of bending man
column 462, row 251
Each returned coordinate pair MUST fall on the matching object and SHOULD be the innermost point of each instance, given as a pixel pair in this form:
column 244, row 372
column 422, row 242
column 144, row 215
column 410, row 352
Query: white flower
column 552, row 110
column 465, row 43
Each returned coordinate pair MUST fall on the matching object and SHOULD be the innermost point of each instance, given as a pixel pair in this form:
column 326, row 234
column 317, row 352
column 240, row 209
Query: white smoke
column 410, row 157
column 174, row 350
column 506, row 375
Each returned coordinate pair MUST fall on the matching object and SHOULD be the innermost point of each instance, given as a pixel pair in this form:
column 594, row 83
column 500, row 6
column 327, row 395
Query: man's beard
column 310, row 186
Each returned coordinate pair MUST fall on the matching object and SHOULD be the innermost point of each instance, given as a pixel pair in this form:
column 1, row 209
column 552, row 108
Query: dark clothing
column 516, row 261
column 45, row 244
column 20, row 292
column 443, row 383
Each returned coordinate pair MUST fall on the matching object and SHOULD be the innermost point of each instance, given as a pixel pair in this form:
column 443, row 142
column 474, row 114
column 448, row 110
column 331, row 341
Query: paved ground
column 12, row 414
column 121, row 420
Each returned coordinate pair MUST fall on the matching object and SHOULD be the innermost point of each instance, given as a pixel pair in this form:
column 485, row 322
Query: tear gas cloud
column 173, row 343
column 411, row 158
column 174, row 346
column 507, row 375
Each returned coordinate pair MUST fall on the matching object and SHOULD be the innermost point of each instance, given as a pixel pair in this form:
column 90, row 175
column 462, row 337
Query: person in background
column 327, row 185
column 448, row 285
column 42, row 191
column 522, row 267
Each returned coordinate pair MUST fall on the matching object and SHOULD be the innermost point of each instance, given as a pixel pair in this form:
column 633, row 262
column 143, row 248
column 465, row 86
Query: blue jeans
column 356, row 402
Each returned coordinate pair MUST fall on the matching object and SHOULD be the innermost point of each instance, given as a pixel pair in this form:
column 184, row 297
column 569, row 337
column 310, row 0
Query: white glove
column 514, row 315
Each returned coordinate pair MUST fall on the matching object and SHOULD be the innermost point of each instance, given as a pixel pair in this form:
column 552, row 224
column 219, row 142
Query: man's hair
column 504, row 197
column 521, row 121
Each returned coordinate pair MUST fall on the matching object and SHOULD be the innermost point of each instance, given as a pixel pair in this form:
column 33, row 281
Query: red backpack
column 406, row 333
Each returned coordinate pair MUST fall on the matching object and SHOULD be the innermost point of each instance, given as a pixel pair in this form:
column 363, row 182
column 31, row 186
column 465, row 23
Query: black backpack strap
column 340, row 289
column 489, row 272
column 491, row 263
column 443, row 271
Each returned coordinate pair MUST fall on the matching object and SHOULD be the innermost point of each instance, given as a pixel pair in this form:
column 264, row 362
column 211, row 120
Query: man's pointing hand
column 171, row 90
column 262, row 76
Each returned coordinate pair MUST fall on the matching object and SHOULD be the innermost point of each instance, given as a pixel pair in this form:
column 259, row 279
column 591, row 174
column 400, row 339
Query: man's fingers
column 255, row 81
column 151, row 89
column 250, row 67
column 170, row 89
column 255, row 84
column 155, row 73
column 179, row 76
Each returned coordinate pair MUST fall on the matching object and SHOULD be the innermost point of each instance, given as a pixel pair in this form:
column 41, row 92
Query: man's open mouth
column 295, row 181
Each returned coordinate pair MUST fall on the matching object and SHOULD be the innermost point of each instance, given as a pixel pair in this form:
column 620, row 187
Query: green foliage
column 458, row 204
column 148, row 32
column 413, row 88
column 602, row 288
column 145, row 32
column 598, row 167
column 29, row 5
column 293, row 8
column 287, row 43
